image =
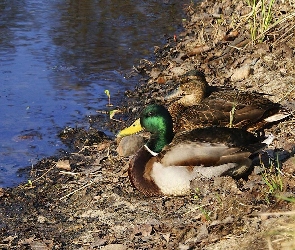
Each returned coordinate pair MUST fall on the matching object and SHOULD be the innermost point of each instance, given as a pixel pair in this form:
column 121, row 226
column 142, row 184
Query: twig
column 75, row 191
column 288, row 93
column 286, row 37
column 40, row 176
column 269, row 243
column 69, row 173
column 275, row 213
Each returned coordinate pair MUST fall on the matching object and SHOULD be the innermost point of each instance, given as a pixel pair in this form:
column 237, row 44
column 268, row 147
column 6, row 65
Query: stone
column 129, row 145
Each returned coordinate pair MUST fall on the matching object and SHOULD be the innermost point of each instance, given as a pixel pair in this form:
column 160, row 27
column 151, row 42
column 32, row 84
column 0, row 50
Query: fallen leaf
column 166, row 237
column 231, row 35
column 198, row 50
column 143, row 229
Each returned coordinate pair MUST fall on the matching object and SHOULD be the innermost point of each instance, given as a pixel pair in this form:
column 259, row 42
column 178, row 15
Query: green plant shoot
column 107, row 92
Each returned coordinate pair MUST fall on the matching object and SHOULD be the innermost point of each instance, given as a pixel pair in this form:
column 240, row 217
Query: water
column 56, row 59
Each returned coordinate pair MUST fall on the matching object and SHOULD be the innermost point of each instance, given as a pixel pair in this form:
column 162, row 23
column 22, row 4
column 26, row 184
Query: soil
column 84, row 200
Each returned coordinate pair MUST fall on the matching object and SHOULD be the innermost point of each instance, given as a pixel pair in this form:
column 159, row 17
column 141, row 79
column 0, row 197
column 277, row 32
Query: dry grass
column 283, row 235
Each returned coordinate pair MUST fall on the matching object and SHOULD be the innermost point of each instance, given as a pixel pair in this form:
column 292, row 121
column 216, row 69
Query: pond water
column 56, row 59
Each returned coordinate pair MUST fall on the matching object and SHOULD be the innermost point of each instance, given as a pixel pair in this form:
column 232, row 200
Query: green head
column 157, row 120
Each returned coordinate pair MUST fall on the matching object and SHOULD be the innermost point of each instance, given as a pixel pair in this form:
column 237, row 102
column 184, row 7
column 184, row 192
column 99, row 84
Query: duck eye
column 150, row 114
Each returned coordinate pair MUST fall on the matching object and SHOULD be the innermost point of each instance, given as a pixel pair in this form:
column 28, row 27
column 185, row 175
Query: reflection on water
column 57, row 58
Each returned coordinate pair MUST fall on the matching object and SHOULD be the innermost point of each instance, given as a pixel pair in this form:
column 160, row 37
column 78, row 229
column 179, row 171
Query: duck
column 235, row 109
column 196, row 104
column 168, row 162
column 192, row 89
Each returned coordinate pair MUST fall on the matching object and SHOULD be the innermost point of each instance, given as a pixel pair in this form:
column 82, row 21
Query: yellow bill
column 135, row 127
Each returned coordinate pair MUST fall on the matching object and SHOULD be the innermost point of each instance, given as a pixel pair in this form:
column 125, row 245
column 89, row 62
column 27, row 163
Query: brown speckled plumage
column 248, row 109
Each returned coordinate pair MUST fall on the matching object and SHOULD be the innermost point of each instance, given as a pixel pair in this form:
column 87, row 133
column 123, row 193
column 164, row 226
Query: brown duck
column 192, row 106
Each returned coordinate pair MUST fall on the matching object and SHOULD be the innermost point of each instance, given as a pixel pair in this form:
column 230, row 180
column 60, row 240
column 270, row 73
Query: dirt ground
column 84, row 200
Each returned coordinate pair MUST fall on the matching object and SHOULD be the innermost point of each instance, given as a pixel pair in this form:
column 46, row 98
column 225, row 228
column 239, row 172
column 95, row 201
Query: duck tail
column 277, row 117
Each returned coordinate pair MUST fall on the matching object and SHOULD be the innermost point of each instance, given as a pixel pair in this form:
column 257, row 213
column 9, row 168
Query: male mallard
column 166, row 164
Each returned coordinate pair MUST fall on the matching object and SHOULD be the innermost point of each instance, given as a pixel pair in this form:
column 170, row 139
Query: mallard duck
column 167, row 163
column 192, row 90
column 229, row 108
column 237, row 109
column 195, row 104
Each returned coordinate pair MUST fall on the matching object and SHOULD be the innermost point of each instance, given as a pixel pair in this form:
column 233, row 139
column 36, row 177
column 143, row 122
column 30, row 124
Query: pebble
column 41, row 219
column 114, row 247
column 64, row 164
column 178, row 71
column 129, row 145
column 241, row 73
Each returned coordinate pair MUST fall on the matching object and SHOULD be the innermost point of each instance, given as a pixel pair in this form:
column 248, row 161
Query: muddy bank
column 84, row 200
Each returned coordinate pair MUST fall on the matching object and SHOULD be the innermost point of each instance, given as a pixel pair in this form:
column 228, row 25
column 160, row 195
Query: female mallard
column 195, row 105
column 166, row 164
column 227, row 108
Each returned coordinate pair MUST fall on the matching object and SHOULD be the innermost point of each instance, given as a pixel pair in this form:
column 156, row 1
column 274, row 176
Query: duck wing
column 219, row 115
column 139, row 169
column 225, row 108
column 222, row 139
column 202, row 154
column 212, row 151
column 229, row 136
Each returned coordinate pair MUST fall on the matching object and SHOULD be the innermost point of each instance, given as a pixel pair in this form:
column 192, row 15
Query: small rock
column 183, row 247
column 155, row 73
column 258, row 170
column 41, row 219
column 65, row 165
column 203, row 232
column 241, row 73
column 129, row 145
column 114, row 247
column 177, row 71
column 182, row 69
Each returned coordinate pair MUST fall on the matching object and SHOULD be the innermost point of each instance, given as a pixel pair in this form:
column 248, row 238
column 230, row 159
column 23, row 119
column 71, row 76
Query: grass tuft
column 260, row 17
column 272, row 177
